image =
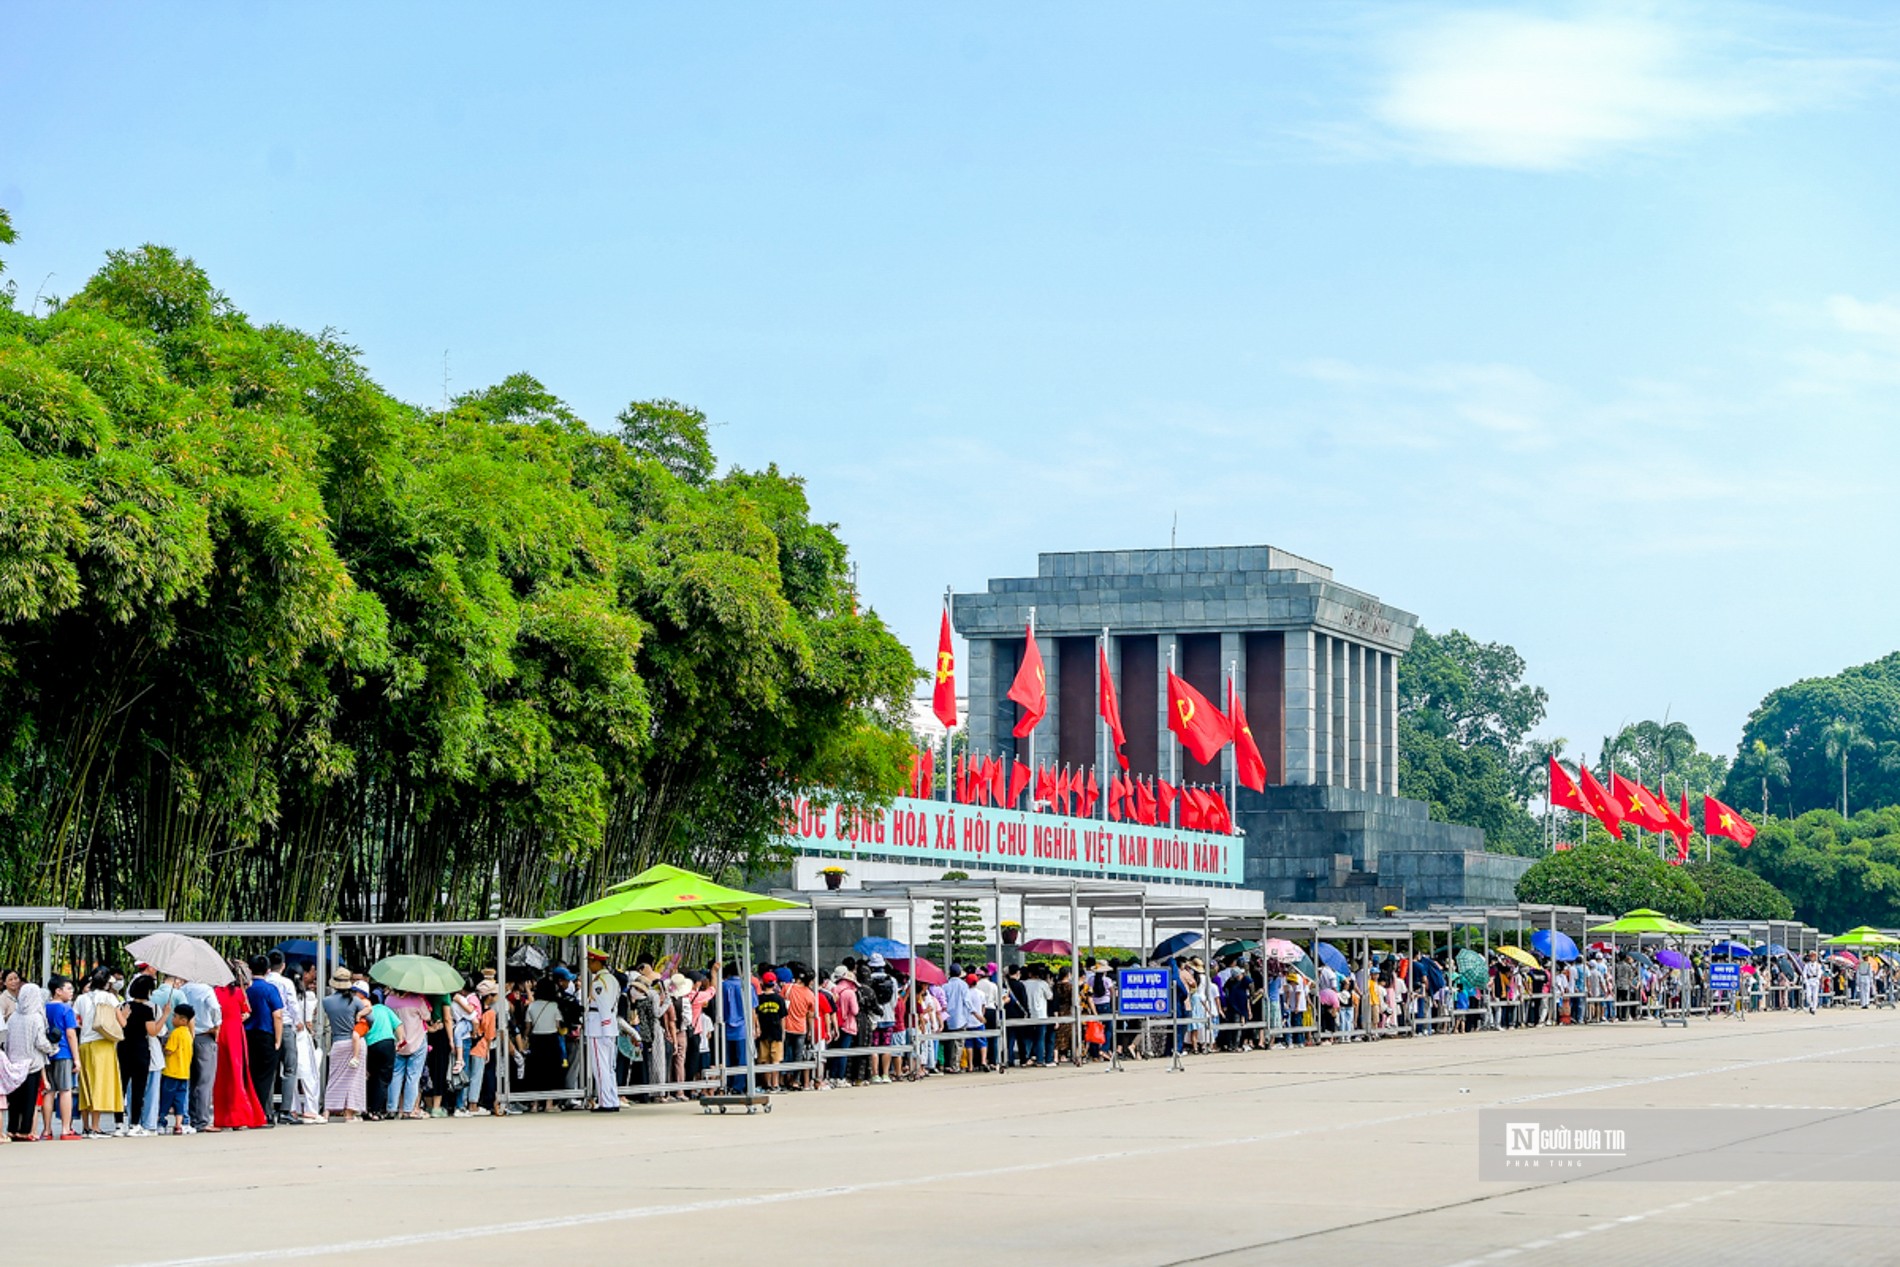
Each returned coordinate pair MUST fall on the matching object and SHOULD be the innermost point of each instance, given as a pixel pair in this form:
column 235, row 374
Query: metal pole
column 1075, row 981
column 1032, row 729
column 1173, row 748
column 1001, row 983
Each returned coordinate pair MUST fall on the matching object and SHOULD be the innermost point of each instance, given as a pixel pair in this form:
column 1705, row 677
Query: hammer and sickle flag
column 943, row 694
column 1202, row 729
column 1030, row 690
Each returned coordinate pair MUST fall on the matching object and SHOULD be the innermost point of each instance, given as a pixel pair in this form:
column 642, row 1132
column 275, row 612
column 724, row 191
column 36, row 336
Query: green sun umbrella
column 1862, row 936
column 1233, row 948
column 416, row 974
column 660, row 897
column 1644, row 920
column 1471, row 971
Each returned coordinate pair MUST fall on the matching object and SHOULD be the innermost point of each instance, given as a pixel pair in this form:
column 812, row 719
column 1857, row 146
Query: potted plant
column 1011, row 931
column 834, row 876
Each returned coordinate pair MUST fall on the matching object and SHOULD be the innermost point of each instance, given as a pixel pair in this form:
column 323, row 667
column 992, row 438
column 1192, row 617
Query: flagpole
column 949, row 732
column 1101, row 723
column 1032, row 729
column 1233, row 757
column 1173, row 747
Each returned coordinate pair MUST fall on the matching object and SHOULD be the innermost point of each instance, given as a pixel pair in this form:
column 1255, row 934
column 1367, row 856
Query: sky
column 1576, row 327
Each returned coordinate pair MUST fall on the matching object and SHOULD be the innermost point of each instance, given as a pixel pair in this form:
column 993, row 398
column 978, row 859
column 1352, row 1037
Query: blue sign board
column 1145, row 991
column 1725, row 976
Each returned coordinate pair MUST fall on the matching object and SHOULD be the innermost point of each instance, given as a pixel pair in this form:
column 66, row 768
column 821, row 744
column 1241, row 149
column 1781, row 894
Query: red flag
column 1682, row 828
column 929, row 788
column 960, row 784
column 1249, row 767
column 1045, row 797
column 1165, row 798
column 1637, row 805
column 1110, row 707
column 1018, row 780
column 1062, row 790
column 1223, row 817
column 1030, row 690
column 1144, row 804
column 1202, row 729
column 1601, row 803
column 999, row 782
column 1719, row 820
column 1091, row 793
column 943, row 696
column 1115, row 794
column 1564, row 792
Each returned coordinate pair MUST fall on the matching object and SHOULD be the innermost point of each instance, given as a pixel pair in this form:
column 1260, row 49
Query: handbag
column 105, row 1021
column 1094, row 1033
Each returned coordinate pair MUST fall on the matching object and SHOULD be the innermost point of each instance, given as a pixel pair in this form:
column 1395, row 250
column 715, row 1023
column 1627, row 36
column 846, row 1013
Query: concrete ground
column 1359, row 1154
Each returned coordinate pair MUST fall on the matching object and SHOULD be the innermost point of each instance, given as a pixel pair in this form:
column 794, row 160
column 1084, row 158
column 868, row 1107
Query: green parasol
column 416, row 974
column 1644, row 920
column 661, row 897
column 1862, row 936
column 1234, row 948
column 1471, row 972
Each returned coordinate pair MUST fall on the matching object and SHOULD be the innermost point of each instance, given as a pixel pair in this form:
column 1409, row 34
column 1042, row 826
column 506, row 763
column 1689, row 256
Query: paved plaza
column 1364, row 1154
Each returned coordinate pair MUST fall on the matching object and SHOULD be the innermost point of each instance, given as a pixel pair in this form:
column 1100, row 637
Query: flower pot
column 1010, row 936
column 833, row 879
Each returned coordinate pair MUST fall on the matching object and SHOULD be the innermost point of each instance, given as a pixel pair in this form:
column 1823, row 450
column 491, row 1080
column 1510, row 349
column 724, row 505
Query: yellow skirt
column 100, row 1090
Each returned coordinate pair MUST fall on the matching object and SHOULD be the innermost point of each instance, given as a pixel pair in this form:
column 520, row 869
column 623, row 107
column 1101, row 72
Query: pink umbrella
column 1047, row 946
column 926, row 972
column 1282, row 949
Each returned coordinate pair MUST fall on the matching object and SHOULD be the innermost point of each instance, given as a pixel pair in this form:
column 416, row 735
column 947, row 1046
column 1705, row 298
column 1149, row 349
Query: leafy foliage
column 1857, row 709
column 1839, row 873
column 1732, row 892
column 1610, row 878
column 1465, row 715
column 273, row 643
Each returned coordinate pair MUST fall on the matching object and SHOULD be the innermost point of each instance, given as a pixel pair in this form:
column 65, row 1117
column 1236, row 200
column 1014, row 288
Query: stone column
column 1323, row 709
column 979, row 679
column 1375, row 720
column 1233, row 656
column 1356, row 704
column 1167, row 747
column 1299, row 691
column 1342, row 713
column 1393, row 754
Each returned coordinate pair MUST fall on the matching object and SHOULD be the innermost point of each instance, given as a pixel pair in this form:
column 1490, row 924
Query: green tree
column 1733, row 892
column 1795, row 719
column 1610, row 878
column 1757, row 762
column 1841, row 740
column 1838, row 873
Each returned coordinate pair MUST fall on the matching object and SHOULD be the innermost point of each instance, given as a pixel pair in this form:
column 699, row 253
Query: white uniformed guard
column 603, row 1030
column 1811, row 982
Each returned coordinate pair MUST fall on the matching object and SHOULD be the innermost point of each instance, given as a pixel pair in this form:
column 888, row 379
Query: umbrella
column 1047, row 946
column 889, row 947
column 661, row 897
column 298, row 950
column 176, row 955
column 1644, row 920
column 1565, row 949
column 416, row 974
column 1174, row 945
column 1520, row 954
column 1234, row 949
column 926, row 972
column 1282, row 949
column 1730, row 949
column 1604, row 946
column 1304, row 967
column 1862, row 936
column 1470, row 971
column 1672, row 958
column 1330, row 955
column 1844, row 956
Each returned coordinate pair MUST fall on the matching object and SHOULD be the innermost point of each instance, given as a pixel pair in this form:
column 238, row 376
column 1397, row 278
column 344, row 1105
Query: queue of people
column 146, row 1054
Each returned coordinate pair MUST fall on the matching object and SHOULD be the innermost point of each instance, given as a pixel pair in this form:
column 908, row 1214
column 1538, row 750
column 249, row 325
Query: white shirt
column 288, row 994
column 603, row 1006
column 1037, row 992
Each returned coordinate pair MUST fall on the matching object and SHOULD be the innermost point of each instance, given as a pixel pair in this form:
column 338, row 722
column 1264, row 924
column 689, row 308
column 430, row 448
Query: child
column 174, row 1088
column 62, row 1026
column 770, row 1011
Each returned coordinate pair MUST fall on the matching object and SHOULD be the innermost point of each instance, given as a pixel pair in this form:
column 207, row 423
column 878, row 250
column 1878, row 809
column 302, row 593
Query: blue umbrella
column 1772, row 948
column 297, row 950
column 1732, row 949
column 1174, row 945
column 1433, row 974
column 1330, row 956
column 1541, row 942
column 889, row 947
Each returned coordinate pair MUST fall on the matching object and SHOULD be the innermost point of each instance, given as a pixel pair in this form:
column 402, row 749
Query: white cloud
column 1512, row 90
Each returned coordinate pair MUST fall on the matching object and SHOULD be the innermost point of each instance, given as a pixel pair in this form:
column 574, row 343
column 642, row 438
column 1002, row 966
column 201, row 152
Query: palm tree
column 1840, row 740
column 1765, row 763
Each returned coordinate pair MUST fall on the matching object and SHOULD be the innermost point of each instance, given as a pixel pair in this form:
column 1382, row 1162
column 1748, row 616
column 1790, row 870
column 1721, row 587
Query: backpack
column 570, row 1009
column 884, row 988
column 870, row 1010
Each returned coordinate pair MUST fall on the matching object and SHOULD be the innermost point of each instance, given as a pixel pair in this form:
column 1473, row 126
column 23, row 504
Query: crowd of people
column 145, row 1054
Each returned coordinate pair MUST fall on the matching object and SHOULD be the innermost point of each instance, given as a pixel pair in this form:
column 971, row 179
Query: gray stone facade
column 1315, row 664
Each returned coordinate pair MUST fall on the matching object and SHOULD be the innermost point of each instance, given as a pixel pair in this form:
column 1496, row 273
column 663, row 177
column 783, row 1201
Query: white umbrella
column 177, row 955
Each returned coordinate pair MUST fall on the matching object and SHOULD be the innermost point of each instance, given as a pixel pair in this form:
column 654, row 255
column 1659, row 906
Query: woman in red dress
column 233, row 1103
